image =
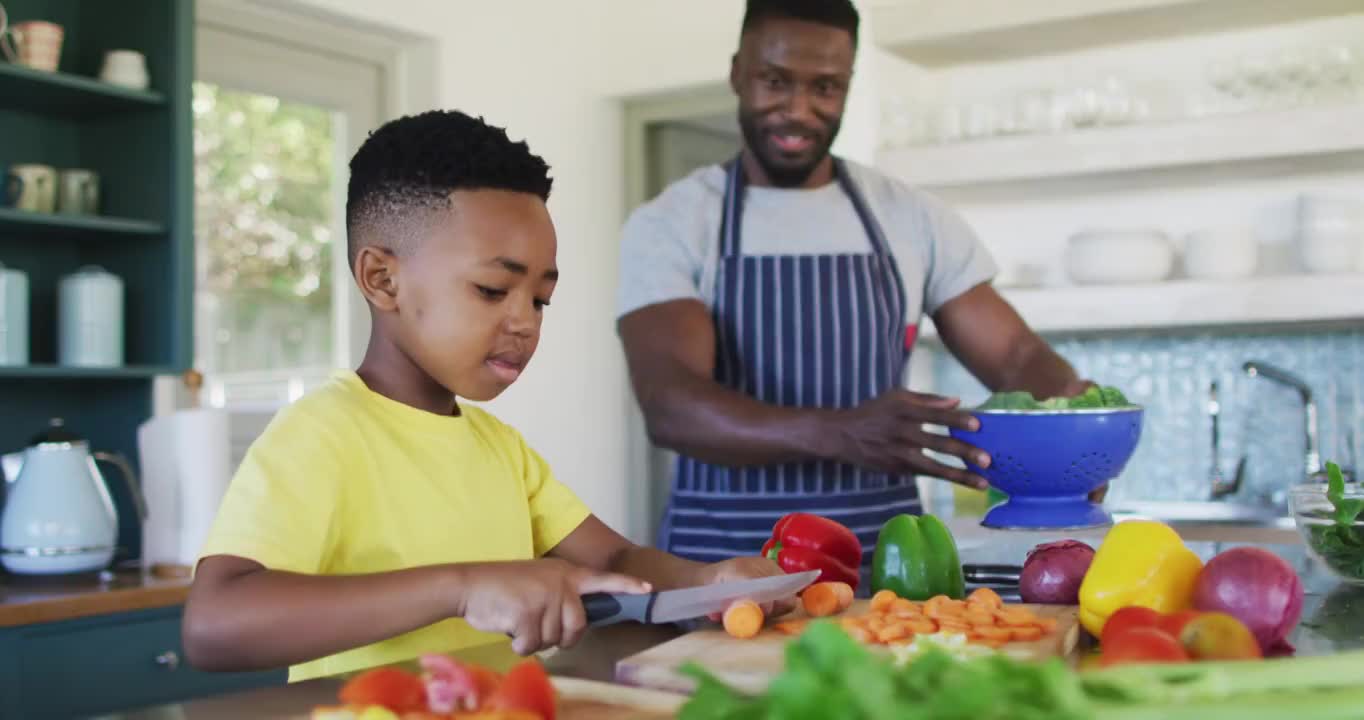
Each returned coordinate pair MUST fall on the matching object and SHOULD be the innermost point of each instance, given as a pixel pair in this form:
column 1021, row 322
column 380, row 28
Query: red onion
column 1053, row 572
column 1256, row 587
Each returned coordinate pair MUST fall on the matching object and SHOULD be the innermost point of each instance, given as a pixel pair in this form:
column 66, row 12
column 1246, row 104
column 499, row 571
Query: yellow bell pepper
column 1140, row 562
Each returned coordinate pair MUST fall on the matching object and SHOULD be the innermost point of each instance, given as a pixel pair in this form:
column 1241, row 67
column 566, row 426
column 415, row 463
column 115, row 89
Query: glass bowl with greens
column 1330, row 517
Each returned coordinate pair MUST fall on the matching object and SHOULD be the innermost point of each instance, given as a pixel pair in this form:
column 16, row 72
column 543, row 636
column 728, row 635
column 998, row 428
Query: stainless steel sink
column 1204, row 513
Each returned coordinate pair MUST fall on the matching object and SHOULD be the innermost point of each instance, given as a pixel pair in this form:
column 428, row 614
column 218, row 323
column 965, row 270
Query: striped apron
column 823, row 331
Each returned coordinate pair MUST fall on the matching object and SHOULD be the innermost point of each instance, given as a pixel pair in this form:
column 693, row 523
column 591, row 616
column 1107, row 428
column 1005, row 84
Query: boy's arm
column 594, row 544
column 243, row 616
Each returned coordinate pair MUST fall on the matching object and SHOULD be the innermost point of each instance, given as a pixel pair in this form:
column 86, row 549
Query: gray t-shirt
column 669, row 245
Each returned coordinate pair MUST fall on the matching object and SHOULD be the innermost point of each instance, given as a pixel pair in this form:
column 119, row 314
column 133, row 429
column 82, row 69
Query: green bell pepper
column 916, row 558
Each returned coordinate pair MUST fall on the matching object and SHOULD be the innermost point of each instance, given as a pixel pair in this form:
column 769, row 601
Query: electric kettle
column 58, row 516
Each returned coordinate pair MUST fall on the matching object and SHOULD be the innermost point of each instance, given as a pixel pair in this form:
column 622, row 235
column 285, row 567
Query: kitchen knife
column 991, row 574
column 672, row 605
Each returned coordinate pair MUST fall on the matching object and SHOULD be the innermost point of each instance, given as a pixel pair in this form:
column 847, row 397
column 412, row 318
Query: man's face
column 792, row 80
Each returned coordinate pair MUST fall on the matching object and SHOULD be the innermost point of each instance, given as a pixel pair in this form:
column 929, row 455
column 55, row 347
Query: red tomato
column 395, row 689
column 1124, row 619
column 1174, row 623
column 1142, row 645
column 524, row 687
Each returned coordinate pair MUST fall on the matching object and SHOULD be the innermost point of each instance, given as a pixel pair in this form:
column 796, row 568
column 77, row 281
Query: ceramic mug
column 35, row 43
column 37, row 187
column 78, row 192
column 90, row 318
column 126, row 68
column 11, row 186
column 13, row 317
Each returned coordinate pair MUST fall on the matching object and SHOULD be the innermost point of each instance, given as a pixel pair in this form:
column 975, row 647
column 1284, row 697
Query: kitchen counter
column 31, row 600
column 1332, row 621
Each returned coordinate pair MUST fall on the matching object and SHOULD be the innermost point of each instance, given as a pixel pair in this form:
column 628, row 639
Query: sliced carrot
column 922, row 627
column 790, row 627
column 979, row 617
column 892, row 632
column 1025, row 634
column 910, row 613
column 996, row 644
column 820, row 599
column 743, row 619
column 845, row 595
column 903, row 605
column 875, row 623
column 993, row 633
column 1015, row 616
column 883, row 599
column 1046, row 625
column 945, row 610
column 986, row 596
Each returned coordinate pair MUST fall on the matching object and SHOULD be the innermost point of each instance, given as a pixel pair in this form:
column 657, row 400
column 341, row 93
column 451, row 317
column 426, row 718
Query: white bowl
column 1331, row 214
column 1221, row 253
column 1327, row 253
column 1114, row 257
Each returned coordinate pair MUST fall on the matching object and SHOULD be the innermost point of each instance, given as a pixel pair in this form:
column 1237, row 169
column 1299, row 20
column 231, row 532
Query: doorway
column 667, row 137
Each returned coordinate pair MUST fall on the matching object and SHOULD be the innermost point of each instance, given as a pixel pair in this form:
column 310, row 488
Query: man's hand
column 747, row 568
column 537, row 602
column 887, row 434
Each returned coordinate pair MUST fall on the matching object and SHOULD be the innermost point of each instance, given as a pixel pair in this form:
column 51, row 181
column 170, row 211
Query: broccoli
column 1094, row 397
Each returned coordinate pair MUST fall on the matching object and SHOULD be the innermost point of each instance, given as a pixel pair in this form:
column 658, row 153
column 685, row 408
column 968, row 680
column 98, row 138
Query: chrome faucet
column 1220, row 486
column 1283, row 377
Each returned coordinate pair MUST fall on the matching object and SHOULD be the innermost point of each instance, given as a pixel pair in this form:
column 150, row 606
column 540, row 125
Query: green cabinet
column 140, row 142
column 105, row 664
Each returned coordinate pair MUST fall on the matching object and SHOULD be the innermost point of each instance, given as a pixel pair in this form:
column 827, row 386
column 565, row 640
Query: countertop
column 1332, row 621
column 30, row 600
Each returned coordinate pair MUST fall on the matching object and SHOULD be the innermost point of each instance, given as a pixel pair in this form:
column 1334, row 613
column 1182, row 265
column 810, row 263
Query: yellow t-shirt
column 346, row 481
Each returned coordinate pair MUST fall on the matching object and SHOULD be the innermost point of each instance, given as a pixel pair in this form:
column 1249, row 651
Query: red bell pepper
column 802, row 541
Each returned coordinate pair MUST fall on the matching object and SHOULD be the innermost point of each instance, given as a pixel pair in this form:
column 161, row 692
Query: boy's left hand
column 746, row 568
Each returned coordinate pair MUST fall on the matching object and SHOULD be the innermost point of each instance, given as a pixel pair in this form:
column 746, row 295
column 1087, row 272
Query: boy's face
column 471, row 296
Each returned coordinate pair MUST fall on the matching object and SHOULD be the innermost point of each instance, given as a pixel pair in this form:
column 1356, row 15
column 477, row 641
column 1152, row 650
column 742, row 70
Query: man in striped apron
column 769, row 305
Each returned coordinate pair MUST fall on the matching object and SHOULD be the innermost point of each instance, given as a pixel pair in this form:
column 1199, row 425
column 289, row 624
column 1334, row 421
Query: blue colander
column 1048, row 461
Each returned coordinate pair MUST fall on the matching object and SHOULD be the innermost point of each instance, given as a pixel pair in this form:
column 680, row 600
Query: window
column 275, row 122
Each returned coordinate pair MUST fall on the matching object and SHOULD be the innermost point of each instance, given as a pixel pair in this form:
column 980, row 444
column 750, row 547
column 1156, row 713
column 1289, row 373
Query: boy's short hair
column 411, row 165
column 841, row 14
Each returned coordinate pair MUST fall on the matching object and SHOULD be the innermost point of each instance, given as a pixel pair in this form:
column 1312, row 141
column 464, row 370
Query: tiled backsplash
column 1264, row 421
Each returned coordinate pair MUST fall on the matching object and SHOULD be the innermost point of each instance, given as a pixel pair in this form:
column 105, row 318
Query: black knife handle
column 992, row 574
column 612, row 608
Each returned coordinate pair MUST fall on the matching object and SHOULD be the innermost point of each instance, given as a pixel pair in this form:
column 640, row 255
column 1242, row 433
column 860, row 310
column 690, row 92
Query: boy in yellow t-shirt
column 378, row 517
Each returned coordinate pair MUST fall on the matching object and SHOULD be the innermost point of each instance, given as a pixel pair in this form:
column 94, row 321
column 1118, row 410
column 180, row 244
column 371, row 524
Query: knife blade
column 666, row 606
column 980, row 574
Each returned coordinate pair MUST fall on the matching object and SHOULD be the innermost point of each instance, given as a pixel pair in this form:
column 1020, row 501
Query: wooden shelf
column 1282, row 300
column 30, row 90
column 933, row 33
column 127, row 372
column 1295, row 134
column 84, row 225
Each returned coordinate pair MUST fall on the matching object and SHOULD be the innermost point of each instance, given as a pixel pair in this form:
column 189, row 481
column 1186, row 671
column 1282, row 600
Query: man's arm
column 988, row 336
column 670, row 348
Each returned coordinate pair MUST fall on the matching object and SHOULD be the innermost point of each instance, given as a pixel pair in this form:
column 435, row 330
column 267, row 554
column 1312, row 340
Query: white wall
column 517, row 63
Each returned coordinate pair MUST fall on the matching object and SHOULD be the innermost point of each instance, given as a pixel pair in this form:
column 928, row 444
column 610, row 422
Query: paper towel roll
column 186, row 466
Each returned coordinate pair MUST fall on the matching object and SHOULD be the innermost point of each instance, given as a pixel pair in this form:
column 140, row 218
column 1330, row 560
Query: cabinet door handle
column 169, row 660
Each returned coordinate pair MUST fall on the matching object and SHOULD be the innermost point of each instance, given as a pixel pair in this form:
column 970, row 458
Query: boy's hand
column 747, row 568
column 537, row 602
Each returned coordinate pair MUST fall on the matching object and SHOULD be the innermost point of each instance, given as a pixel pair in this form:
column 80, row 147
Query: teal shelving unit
column 140, row 144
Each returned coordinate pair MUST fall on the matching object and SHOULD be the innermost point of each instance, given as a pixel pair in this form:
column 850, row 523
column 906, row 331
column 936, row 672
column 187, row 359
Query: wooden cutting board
column 590, row 700
column 751, row 664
